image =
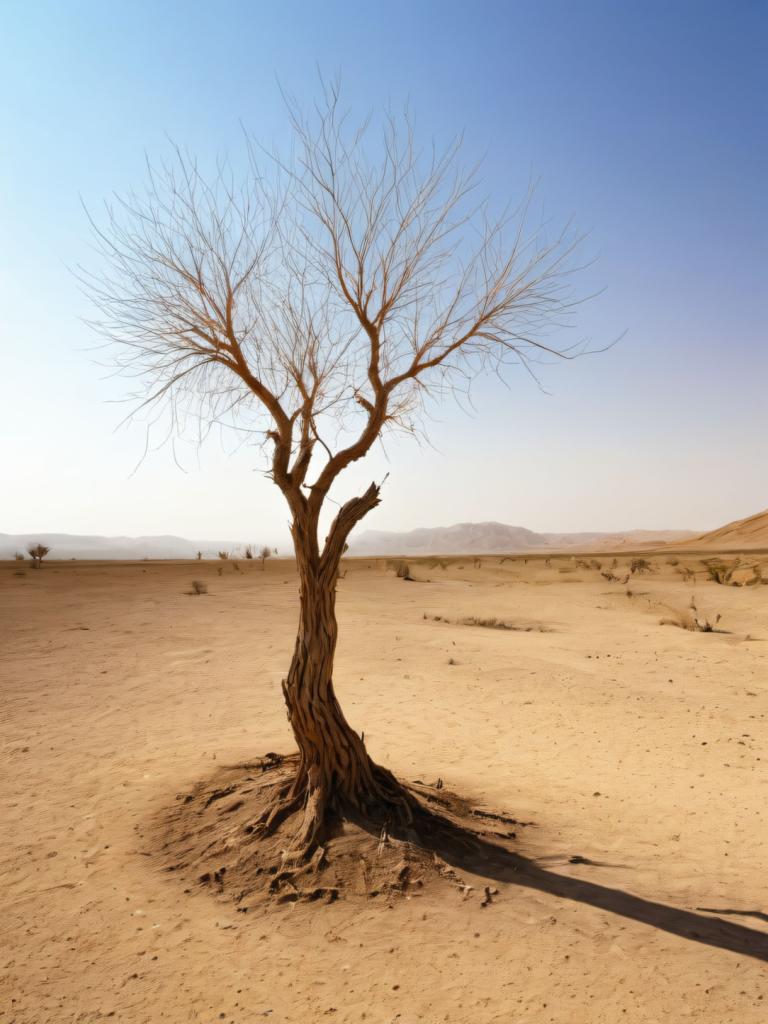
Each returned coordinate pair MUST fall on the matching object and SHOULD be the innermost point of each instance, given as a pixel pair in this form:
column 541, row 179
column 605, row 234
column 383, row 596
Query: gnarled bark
column 336, row 778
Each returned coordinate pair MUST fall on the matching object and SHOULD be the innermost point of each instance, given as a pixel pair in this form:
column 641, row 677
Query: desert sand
column 631, row 752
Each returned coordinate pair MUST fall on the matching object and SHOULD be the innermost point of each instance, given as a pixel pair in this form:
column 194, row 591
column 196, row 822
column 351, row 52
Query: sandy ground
column 637, row 746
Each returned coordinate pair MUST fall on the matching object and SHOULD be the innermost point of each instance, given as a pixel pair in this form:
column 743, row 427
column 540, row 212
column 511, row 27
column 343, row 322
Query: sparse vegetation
column 721, row 572
column 492, row 622
column 199, row 587
column 639, row 565
column 691, row 619
column 37, row 553
column 19, row 556
column 248, row 552
column 264, row 554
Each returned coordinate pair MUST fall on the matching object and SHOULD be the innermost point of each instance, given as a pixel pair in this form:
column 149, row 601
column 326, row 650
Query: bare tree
column 37, row 553
column 321, row 305
column 264, row 554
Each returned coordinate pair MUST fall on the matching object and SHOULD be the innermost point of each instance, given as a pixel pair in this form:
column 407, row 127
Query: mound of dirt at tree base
column 211, row 838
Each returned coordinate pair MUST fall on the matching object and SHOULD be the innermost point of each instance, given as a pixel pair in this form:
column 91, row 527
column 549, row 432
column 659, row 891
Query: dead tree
column 320, row 303
column 264, row 554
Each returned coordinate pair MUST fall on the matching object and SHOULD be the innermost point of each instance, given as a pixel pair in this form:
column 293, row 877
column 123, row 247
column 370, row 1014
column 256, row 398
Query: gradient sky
column 647, row 121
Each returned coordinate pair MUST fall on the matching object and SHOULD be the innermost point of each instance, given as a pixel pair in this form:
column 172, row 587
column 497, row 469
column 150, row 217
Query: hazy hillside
column 66, row 545
column 497, row 538
column 751, row 532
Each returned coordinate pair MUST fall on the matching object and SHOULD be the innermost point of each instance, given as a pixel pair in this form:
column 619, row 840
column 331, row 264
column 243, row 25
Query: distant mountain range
column 67, row 545
column 461, row 539
column 499, row 538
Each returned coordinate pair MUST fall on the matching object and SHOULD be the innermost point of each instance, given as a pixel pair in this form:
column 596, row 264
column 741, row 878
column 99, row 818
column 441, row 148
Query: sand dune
column 740, row 535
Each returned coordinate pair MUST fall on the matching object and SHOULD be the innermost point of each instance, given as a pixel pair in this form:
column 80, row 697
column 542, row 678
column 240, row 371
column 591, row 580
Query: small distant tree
column 199, row 556
column 264, row 554
column 37, row 553
column 224, row 555
column 323, row 304
column 248, row 551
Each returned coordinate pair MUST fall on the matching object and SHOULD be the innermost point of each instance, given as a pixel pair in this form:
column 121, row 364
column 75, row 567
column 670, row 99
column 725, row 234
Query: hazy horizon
column 665, row 168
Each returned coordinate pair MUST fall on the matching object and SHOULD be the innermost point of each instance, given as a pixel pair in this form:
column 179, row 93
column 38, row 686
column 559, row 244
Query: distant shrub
column 19, row 556
column 224, row 555
column 721, row 572
column 639, row 565
column 692, row 620
column 37, row 553
column 264, row 554
column 248, row 553
column 198, row 587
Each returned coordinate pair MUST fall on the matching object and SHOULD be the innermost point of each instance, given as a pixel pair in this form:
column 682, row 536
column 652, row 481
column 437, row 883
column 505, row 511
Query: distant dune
column 67, row 545
column 499, row 538
column 742, row 534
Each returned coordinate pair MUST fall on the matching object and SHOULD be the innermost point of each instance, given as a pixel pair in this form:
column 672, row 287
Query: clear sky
column 647, row 121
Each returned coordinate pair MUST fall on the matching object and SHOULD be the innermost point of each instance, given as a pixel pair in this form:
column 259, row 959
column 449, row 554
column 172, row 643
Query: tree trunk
column 336, row 777
column 334, row 764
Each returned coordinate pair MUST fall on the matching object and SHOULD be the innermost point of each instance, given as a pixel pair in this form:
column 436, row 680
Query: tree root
column 278, row 840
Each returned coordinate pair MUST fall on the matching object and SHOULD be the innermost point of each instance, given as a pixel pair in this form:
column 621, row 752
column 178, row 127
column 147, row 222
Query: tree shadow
column 462, row 847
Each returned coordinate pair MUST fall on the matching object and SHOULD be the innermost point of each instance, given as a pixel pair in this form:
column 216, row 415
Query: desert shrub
column 691, row 619
column 639, row 565
column 595, row 564
column 199, row 556
column 224, row 555
column 220, row 570
column 248, row 553
column 721, row 572
column 264, row 554
column 492, row 622
column 37, row 553
column 757, row 577
column 403, row 571
column 19, row 556
column 198, row 587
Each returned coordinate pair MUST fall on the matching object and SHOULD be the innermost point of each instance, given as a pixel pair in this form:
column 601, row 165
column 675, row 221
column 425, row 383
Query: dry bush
column 248, row 552
column 639, row 565
column 224, row 555
column 492, row 622
column 757, row 578
column 691, row 619
column 198, row 587
column 264, row 554
column 400, row 568
column 721, row 572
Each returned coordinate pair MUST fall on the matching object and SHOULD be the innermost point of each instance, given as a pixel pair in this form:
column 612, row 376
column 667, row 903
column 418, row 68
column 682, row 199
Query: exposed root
column 257, row 832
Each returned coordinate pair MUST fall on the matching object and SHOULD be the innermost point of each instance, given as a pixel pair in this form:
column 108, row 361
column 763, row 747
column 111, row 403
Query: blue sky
column 645, row 121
